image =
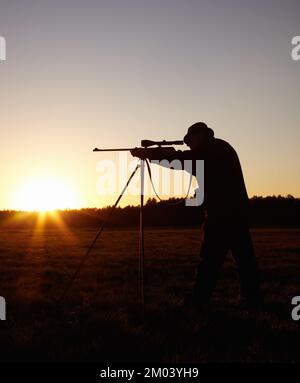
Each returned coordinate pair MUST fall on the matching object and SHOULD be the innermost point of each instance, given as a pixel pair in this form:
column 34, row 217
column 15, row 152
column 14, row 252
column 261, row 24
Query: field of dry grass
column 100, row 319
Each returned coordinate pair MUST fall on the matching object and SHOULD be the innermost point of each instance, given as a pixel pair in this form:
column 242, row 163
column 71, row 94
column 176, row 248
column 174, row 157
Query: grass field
column 101, row 320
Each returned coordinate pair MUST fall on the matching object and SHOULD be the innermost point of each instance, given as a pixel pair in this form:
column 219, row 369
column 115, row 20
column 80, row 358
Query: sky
column 81, row 74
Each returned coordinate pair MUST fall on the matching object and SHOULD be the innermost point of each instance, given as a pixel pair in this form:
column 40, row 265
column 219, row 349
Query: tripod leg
column 141, row 240
column 87, row 253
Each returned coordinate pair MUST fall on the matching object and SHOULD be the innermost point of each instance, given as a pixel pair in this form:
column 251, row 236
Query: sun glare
column 45, row 194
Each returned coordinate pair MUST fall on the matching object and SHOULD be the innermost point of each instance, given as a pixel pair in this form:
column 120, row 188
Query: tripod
column 141, row 166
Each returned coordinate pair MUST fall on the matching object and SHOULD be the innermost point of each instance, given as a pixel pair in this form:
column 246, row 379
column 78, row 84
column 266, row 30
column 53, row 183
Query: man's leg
column 213, row 252
column 243, row 253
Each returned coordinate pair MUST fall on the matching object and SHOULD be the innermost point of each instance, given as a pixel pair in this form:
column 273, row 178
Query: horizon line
column 287, row 196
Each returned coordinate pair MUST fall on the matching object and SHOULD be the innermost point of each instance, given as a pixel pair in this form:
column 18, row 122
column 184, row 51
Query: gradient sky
column 81, row 74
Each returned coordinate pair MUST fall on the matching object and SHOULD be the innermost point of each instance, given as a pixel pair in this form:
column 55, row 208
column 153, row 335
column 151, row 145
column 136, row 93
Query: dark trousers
column 218, row 240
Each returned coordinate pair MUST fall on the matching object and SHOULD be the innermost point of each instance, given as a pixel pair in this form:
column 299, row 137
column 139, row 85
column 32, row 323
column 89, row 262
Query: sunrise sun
column 45, row 194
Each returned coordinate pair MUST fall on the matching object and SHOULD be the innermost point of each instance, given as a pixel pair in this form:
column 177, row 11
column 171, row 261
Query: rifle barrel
column 145, row 144
column 112, row 150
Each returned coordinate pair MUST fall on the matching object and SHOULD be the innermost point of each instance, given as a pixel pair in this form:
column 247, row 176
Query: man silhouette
column 226, row 204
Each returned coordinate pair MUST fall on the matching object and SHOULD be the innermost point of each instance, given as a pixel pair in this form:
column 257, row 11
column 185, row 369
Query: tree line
column 263, row 211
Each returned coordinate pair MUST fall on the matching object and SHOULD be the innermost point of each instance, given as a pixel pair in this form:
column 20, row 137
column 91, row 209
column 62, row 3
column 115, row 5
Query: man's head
column 197, row 135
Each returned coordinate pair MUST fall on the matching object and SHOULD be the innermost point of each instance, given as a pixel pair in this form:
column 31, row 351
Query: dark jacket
column 225, row 195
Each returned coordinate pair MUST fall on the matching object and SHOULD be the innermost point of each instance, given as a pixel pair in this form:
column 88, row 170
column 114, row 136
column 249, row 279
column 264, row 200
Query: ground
column 101, row 318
